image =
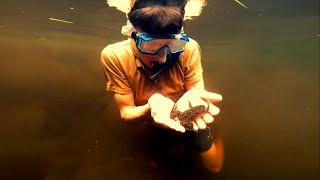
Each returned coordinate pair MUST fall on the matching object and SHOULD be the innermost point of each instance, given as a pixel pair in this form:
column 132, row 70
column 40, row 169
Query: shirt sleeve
column 116, row 80
column 193, row 71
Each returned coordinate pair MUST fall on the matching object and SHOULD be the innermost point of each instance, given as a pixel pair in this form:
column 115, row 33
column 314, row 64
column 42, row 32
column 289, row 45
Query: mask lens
column 153, row 46
column 176, row 45
column 148, row 44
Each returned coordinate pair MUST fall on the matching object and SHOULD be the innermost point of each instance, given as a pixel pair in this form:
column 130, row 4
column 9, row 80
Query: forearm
column 136, row 114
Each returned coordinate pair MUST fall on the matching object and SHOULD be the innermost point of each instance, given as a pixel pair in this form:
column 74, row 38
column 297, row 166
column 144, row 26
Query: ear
column 193, row 8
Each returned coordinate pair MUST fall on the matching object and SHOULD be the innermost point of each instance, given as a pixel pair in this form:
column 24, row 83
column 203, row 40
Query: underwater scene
column 58, row 122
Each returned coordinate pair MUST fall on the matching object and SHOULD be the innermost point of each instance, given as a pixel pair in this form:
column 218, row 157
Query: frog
column 187, row 117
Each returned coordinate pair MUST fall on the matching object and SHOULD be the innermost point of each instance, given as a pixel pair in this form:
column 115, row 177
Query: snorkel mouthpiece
column 157, row 65
column 158, row 68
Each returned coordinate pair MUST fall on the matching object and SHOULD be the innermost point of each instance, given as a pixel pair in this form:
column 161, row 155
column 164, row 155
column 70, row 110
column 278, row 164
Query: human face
column 157, row 48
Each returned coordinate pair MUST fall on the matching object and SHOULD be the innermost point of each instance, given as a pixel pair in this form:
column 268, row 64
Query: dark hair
column 158, row 17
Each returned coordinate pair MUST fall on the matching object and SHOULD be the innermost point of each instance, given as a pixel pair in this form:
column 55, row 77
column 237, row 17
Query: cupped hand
column 161, row 107
column 196, row 97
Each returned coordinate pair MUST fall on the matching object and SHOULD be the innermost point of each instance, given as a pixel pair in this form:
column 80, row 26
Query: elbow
column 124, row 118
column 134, row 115
column 213, row 164
column 127, row 119
column 216, row 169
column 213, row 158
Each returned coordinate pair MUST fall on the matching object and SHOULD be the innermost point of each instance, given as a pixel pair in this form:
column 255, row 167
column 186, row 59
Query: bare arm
column 214, row 157
column 129, row 111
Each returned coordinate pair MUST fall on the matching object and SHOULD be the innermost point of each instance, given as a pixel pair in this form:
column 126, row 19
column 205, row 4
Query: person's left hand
column 195, row 97
column 160, row 107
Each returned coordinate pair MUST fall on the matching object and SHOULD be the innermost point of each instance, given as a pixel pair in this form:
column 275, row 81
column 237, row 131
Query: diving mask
column 152, row 45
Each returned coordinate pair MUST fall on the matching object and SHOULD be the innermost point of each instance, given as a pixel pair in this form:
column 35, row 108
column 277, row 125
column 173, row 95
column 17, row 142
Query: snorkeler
column 157, row 73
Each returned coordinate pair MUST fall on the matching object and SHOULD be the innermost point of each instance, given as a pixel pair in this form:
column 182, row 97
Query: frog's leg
column 207, row 110
column 174, row 108
column 173, row 113
column 190, row 106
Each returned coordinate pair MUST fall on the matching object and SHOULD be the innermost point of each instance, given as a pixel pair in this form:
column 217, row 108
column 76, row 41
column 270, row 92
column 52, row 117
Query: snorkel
column 158, row 68
column 165, row 51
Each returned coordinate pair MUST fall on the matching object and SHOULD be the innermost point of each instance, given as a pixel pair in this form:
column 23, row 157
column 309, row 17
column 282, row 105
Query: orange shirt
column 124, row 73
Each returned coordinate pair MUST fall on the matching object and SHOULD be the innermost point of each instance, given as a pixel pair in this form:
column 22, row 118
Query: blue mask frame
column 141, row 38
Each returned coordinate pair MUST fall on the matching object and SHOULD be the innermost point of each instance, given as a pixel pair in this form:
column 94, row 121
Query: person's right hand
column 160, row 111
column 195, row 97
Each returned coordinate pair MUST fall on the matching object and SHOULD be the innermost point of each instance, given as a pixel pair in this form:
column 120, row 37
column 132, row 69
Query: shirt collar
column 138, row 62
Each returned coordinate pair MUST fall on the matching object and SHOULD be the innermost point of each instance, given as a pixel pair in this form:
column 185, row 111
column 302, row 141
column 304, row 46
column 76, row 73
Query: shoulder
column 191, row 52
column 192, row 45
column 113, row 52
column 117, row 47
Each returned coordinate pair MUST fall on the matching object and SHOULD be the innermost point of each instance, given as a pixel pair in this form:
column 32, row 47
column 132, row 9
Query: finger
column 207, row 118
column 178, row 125
column 175, row 125
column 213, row 110
column 201, row 124
column 210, row 96
column 181, row 129
column 195, row 126
column 155, row 98
column 171, row 124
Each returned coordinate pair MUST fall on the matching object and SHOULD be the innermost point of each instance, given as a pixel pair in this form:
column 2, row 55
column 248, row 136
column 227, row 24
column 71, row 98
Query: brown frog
column 187, row 117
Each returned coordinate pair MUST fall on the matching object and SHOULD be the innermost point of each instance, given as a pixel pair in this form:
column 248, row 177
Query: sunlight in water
column 241, row 3
column 60, row 20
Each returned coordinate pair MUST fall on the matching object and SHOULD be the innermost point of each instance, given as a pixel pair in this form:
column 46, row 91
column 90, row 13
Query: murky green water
column 57, row 122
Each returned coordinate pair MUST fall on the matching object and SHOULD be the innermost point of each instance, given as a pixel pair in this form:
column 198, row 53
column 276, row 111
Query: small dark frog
column 187, row 117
